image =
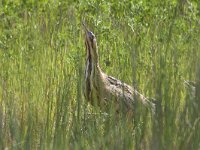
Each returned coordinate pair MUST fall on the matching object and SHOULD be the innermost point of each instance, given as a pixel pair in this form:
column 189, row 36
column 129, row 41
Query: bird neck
column 92, row 56
column 95, row 62
column 92, row 64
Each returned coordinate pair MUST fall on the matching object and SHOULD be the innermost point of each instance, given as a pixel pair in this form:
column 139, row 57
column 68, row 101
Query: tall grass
column 153, row 46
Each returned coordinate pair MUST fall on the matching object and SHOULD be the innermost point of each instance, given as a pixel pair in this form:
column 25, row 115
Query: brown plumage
column 106, row 91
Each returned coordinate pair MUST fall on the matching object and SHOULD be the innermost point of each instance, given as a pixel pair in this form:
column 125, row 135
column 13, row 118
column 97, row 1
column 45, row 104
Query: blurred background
column 152, row 45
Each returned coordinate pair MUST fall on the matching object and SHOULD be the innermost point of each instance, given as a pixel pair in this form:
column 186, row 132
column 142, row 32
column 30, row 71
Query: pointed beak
column 88, row 33
column 85, row 28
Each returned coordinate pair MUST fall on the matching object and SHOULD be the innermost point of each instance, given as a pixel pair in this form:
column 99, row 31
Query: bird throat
column 91, row 71
column 88, row 72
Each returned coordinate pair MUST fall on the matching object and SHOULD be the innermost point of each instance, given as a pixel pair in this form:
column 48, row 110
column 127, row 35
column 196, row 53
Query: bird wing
column 127, row 93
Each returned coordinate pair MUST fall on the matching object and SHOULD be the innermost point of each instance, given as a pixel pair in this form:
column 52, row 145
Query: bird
column 105, row 91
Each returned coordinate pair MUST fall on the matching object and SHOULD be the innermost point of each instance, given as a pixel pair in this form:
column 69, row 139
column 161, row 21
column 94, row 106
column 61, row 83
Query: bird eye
column 91, row 35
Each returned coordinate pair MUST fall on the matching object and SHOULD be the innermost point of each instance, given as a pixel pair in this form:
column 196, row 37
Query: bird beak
column 85, row 28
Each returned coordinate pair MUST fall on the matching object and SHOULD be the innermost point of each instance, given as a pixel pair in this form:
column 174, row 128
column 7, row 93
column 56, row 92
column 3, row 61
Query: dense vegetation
column 152, row 45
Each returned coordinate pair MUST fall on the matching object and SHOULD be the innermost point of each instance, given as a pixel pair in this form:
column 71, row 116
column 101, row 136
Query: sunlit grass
column 153, row 46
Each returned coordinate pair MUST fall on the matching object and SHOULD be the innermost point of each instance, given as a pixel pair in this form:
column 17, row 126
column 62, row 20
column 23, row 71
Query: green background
column 152, row 45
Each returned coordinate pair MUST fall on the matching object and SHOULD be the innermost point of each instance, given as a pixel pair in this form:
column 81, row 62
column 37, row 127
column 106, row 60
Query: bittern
column 103, row 90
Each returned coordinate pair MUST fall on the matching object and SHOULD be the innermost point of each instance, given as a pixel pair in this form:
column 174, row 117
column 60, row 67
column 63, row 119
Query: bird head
column 91, row 44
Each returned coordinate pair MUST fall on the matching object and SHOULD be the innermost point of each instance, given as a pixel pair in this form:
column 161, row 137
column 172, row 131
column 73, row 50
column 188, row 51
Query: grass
column 153, row 46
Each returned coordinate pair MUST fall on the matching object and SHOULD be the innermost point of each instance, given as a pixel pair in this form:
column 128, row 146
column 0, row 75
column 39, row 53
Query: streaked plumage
column 106, row 91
